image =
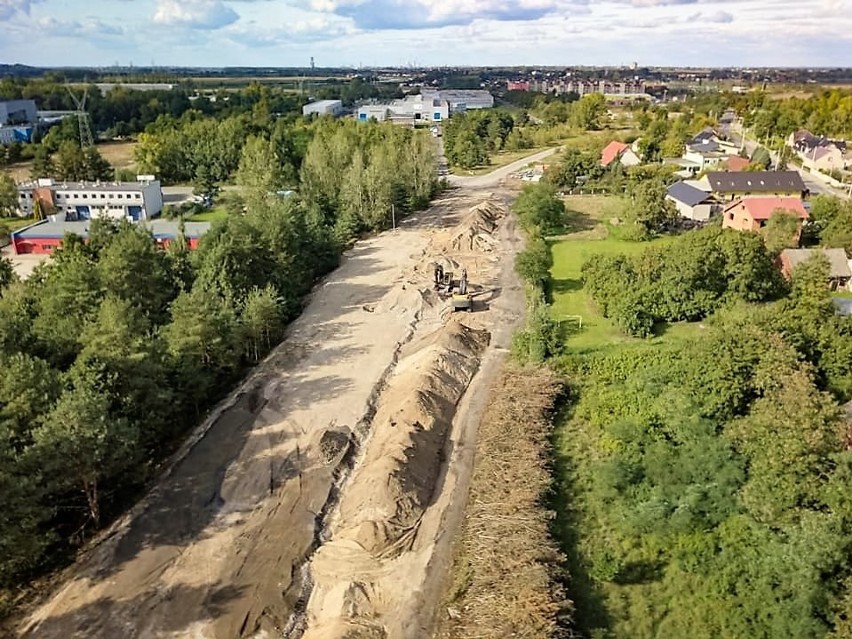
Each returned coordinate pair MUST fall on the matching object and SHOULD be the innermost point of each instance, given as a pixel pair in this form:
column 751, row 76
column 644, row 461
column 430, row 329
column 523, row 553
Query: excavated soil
column 321, row 498
column 356, row 574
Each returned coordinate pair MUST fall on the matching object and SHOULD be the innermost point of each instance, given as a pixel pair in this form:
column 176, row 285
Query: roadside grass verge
column 15, row 223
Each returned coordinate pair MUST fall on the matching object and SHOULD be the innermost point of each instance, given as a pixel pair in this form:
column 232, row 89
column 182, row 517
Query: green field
column 213, row 215
column 590, row 234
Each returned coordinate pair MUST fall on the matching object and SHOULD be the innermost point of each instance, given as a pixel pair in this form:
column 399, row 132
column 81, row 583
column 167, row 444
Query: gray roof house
column 731, row 185
column 692, row 203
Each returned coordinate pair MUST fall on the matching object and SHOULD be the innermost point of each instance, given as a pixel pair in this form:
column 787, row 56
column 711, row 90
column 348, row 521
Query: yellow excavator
column 462, row 298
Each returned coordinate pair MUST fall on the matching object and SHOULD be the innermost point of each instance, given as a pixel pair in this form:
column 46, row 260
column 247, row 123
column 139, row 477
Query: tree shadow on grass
column 590, row 612
column 577, row 222
column 565, row 286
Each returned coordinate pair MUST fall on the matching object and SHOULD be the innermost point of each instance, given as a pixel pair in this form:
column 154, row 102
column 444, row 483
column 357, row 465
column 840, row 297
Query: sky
column 353, row 33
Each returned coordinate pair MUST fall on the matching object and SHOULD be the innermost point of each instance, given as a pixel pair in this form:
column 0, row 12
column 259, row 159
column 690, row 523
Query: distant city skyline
column 352, row 33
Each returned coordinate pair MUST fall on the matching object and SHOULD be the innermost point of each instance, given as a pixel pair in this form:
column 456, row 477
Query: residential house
column 736, row 163
column 708, row 137
column 803, row 141
column 827, row 159
column 752, row 213
column 729, row 186
column 819, row 153
column 620, row 151
column 691, row 202
column 839, row 275
column 705, row 155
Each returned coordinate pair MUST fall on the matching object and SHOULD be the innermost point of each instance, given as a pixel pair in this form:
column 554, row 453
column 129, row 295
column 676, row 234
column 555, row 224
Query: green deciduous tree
column 7, row 273
column 539, row 206
column 782, row 231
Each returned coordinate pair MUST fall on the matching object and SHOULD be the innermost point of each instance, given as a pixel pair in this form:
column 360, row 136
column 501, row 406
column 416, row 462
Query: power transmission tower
column 82, row 118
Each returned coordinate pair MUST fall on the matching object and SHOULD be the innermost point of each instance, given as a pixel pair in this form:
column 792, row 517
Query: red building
column 46, row 236
column 518, row 85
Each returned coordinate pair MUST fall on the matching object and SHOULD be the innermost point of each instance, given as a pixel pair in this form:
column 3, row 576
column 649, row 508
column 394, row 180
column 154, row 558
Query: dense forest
column 710, row 478
column 111, row 351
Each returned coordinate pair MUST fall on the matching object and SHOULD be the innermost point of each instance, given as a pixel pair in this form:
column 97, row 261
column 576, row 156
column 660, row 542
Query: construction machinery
column 457, row 290
column 462, row 298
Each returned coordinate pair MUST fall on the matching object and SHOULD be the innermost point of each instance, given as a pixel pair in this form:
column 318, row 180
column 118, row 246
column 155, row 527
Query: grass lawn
column 213, row 215
column 15, row 223
column 589, row 235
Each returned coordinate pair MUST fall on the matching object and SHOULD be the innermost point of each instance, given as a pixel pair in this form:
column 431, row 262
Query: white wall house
column 133, row 201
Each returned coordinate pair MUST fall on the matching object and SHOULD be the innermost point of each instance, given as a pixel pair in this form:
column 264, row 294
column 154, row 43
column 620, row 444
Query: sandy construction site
column 321, row 499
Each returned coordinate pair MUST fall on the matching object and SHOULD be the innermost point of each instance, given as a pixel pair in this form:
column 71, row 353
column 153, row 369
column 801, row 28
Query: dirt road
column 321, row 497
column 492, row 179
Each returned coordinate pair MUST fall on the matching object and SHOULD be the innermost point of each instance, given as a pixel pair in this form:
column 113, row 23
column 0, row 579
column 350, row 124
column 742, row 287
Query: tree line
column 113, row 349
column 470, row 137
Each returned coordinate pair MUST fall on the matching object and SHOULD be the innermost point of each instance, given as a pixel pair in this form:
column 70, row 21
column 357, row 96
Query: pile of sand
column 475, row 232
column 354, row 573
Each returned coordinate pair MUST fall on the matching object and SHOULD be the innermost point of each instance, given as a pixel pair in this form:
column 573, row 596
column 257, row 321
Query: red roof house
column 736, row 163
column 615, row 150
column 752, row 213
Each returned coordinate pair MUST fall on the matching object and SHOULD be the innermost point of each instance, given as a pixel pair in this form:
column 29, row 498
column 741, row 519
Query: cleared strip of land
column 507, row 573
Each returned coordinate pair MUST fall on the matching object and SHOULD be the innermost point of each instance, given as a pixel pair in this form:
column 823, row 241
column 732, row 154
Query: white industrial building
column 18, row 112
column 133, row 201
column 323, row 107
column 464, row 99
column 427, row 107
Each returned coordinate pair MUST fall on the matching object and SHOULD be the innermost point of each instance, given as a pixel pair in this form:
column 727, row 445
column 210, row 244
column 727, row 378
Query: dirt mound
column 475, row 233
column 356, row 573
column 417, row 409
column 408, row 301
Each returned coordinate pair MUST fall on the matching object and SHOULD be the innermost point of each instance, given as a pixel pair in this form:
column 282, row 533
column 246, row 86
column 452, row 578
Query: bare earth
column 322, row 497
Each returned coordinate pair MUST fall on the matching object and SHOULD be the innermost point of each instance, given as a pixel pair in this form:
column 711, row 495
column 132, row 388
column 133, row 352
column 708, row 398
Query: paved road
column 497, row 175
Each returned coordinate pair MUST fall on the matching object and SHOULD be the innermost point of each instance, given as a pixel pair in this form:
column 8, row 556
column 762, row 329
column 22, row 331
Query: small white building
column 133, row 201
column 323, row 107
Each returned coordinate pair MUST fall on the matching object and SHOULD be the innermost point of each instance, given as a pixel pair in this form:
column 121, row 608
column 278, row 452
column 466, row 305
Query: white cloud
column 12, row 8
column 196, row 14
